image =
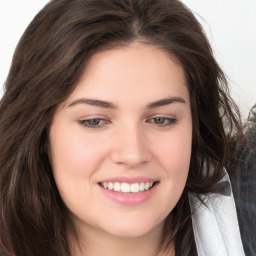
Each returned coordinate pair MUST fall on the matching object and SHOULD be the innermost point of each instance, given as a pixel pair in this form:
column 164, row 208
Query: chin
column 135, row 229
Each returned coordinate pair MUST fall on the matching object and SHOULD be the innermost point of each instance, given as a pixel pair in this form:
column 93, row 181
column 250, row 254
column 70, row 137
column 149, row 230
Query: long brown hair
column 47, row 64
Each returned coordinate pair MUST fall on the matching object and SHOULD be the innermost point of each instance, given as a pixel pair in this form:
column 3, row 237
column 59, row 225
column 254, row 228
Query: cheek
column 74, row 153
column 175, row 161
column 74, row 161
column 175, row 153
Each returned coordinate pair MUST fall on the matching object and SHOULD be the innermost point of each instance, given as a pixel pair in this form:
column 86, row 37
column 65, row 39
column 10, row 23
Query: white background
column 230, row 26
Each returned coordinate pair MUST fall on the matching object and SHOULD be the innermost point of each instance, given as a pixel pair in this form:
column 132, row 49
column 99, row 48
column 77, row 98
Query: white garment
column 216, row 228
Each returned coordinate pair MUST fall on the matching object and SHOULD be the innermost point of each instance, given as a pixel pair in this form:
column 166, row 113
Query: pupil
column 93, row 122
column 159, row 120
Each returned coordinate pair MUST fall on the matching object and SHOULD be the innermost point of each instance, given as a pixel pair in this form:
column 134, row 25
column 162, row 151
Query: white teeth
column 110, row 185
column 117, row 186
column 135, row 188
column 127, row 188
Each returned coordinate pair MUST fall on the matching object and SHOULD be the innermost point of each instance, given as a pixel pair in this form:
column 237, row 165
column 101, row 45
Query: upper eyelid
column 162, row 115
column 106, row 121
column 98, row 118
column 93, row 116
column 171, row 122
column 172, row 119
column 84, row 122
column 103, row 117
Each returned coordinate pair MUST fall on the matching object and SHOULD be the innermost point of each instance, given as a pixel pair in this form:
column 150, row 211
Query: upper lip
column 129, row 180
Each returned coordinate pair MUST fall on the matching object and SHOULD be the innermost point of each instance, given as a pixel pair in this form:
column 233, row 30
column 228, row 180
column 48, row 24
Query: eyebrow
column 109, row 105
column 166, row 101
column 93, row 102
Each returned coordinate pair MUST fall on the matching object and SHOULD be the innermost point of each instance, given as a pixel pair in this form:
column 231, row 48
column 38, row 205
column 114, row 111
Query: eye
column 93, row 123
column 163, row 121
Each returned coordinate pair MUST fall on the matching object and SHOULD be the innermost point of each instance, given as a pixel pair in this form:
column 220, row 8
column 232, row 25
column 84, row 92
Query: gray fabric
column 243, row 180
column 252, row 115
column 215, row 223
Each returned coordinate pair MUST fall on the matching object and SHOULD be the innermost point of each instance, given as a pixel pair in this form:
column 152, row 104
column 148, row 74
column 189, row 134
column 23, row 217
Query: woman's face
column 121, row 142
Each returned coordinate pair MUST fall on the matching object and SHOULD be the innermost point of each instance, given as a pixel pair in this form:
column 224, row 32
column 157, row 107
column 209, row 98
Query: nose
column 130, row 147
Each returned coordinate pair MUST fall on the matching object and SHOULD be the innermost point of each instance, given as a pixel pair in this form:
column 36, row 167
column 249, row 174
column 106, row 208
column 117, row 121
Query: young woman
column 114, row 134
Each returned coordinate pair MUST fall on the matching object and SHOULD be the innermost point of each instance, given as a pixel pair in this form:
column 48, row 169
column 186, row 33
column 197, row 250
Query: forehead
column 136, row 71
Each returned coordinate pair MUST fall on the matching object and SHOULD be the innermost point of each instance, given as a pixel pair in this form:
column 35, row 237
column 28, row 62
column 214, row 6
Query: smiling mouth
column 126, row 187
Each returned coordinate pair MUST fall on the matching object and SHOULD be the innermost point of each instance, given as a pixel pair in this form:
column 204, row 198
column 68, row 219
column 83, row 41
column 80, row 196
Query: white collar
column 215, row 227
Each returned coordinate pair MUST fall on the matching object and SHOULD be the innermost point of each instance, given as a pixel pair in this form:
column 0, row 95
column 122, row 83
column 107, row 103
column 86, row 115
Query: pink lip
column 130, row 199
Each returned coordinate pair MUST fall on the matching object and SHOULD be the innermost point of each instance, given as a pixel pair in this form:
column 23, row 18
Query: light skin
column 129, row 116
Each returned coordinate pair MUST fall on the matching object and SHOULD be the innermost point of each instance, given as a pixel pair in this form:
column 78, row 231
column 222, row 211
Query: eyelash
column 168, row 122
column 86, row 124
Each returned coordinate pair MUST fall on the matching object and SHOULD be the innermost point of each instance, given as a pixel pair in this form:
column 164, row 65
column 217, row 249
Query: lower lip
column 130, row 198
